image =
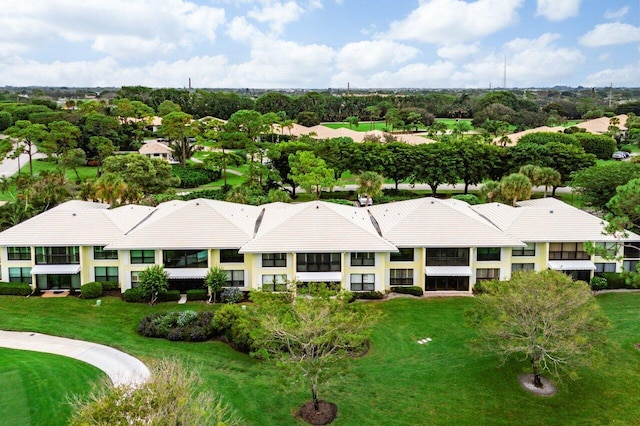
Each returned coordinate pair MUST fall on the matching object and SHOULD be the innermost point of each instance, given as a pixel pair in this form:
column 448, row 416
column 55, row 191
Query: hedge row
column 135, row 295
column 91, row 290
column 15, row 289
column 413, row 289
column 191, row 177
column 197, row 294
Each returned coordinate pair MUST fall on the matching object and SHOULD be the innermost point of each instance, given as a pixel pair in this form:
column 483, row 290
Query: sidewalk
column 122, row 369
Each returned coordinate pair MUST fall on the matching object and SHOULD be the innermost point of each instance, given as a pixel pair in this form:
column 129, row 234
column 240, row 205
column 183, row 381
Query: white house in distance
column 438, row 245
column 157, row 149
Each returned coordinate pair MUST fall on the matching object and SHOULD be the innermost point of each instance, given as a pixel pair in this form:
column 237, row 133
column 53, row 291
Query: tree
column 352, row 121
column 515, row 187
column 602, row 146
column 215, row 280
column 311, row 336
column 597, row 184
column 173, row 395
column 436, row 164
column 181, row 129
column 624, row 207
column 567, row 159
column 103, row 147
column 546, row 318
column 31, row 135
column 62, row 137
column 153, row 280
column 148, row 175
column 370, row 183
column 374, row 114
column 308, row 119
column 489, row 191
column 73, row 158
column 338, row 153
column 549, row 177
column 279, row 156
column 167, row 107
column 401, row 162
column 110, row 188
column 310, row 172
column 477, row 160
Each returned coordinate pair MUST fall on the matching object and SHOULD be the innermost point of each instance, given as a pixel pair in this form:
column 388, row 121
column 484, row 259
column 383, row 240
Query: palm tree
column 548, row 176
column 370, row 183
column 515, row 187
column 110, row 188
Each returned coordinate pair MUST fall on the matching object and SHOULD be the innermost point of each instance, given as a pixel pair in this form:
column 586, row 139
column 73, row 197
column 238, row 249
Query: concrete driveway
column 122, row 368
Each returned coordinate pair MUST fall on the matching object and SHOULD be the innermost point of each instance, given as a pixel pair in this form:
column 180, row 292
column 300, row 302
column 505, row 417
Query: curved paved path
column 122, row 369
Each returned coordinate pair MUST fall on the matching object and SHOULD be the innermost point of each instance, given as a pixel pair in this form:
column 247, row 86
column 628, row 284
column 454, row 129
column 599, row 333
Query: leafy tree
column 368, row 157
column 62, row 137
column 624, row 207
column 515, row 187
column 311, row 336
column 148, row 175
column 602, row 146
column 401, row 162
column 374, row 114
column 546, row 318
column 543, row 138
column 370, row 183
column 215, row 280
column 338, row 153
column 73, row 158
column 167, row 107
column 567, row 159
column 549, row 177
column 153, row 280
column 597, row 184
column 6, row 120
column 173, row 395
column 308, row 119
column 109, row 188
column 476, row 159
column 460, row 127
column 31, row 135
column 279, row 156
column 181, row 129
column 352, row 121
column 103, row 147
column 275, row 102
column 310, row 172
column 436, row 164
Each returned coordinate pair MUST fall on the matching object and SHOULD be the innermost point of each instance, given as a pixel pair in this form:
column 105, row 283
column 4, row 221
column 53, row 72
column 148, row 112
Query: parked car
column 620, row 155
column 362, row 200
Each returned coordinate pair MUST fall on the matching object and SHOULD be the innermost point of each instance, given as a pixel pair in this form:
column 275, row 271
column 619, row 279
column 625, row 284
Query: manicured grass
column 399, row 382
column 35, row 386
column 40, row 165
column 450, row 122
column 363, row 126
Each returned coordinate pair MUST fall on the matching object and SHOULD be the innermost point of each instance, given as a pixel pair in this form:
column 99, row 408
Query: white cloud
column 455, row 21
column 611, row 34
column 240, row 30
column 626, row 76
column 367, row 55
column 616, row 14
column 458, row 51
column 555, row 10
column 437, row 74
column 277, row 14
column 168, row 23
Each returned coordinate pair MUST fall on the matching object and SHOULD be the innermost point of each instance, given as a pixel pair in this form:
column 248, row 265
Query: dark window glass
column 106, row 273
column 231, row 256
column 632, row 250
column 318, row 262
column 235, row 278
column 57, row 255
column 363, row 259
column 400, row 277
column 517, row 267
column 99, row 253
column 185, row 258
column 19, row 253
column 273, row 260
column 20, row 275
column 404, row 255
column 605, row 267
column 488, row 253
column 487, row 274
column 579, row 275
column 529, row 250
column 448, row 257
column 363, row 282
column 274, row 283
column 142, row 256
column 567, row 251
column 447, row 283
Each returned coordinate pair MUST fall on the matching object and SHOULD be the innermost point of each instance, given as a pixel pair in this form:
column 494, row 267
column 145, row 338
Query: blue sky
column 321, row 43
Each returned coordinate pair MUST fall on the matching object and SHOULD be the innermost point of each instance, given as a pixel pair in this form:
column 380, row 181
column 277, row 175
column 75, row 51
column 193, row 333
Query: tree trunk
column 536, row 374
column 553, row 191
column 466, row 187
column 434, row 189
column 314, row 395
column 545, row 190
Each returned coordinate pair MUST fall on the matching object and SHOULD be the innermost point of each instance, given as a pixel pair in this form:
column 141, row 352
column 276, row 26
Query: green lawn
column 363, row 126
column 35, row 386
column 399, row 382
column 40, row 165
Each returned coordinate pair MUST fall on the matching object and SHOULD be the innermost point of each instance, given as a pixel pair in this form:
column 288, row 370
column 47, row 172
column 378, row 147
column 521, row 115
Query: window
column 605, row 267
column 318, row 262
column 19, row 253
column 447, row 283
column 273, row 260
column 106, row 273
column 632, row 250
column 363, row 259
column 142, row 256
column 57, row 255
column 135, row 278
column 448, row 257
column 522, row 267
column 20, row 275
column 529, row 250
column 630, row 265
column 487, row 253
column 400, row 277
column 610, row 249
column 185, row 258
column 274, row 282
column 405, row 255
column 567, row 251
column 363, row 282
column 99, row 253
column 235, row 279
column 579, row 275
column 231, row 256
column 486, row 274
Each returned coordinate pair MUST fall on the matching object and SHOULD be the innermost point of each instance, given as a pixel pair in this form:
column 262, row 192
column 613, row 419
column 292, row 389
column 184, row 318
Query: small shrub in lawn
column 368, row 295
column 234, row 323
column 232, row 295
column 15, row 289
column 598, row 283
column 91, row 290
column 134, row 295
column 178, row 326
column 197, row 294
column 410, row 289
column 615, row 280
column 169, row 296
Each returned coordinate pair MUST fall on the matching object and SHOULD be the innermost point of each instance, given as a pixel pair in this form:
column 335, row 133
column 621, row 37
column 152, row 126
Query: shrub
column 213, row 194
column 615, row 280
column 178, row 326
column 232, row 295
column 413, row 290
column 191, row 177
column 134, row 295
column 197, row 294
column 169, row 296
column 602, row 146
column 234, row 323
column 467, row 198
column 91, row 290
column 110, row 285
column 368, row 295
column 598, row 283
column 15, row 289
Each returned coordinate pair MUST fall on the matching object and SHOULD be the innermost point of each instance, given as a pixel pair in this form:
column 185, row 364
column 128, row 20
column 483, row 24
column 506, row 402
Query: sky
column 320, row 44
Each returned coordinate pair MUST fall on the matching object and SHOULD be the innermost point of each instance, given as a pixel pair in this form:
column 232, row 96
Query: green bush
column 212, row 194
column 197, row 294
column 236, row 326
column 467, row 198
column 91, row 290
column 598, row 283
column 169, row 296
column 191, row 177
column 15, row 289
column 413, row 290
column 368, row 295
column 602, row 146
column 231, row 295
column 110, row 285
column 178, row 326
column 134, row 295
column 615, row 280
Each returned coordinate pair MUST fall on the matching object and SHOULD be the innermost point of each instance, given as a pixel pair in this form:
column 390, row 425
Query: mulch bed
column 547, row 389
column 327, row 413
